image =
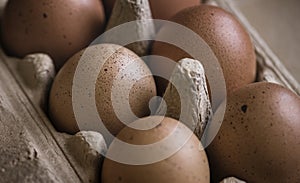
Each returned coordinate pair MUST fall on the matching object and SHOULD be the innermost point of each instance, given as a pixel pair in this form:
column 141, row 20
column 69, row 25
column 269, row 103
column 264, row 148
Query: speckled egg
column 59, row 28
column 119, row 67
column 186, row 164
column 259, row 139
column 227, row 38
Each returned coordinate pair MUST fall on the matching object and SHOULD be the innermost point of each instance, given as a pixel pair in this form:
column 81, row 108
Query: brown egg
column 259, row 139
column 57, row 27
column 188, row 164
column 121, row 67
column 160, row 9
column 227, row 38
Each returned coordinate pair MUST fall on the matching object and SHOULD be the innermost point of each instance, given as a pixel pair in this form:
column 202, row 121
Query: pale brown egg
column 187, row 164
column 223, row 33
column 161, row 9
column 259, row 139
column 57, row 27
column 121, row 67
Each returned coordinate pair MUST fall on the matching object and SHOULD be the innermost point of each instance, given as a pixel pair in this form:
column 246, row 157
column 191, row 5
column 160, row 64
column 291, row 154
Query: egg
column 222, row 32
column 57, row 27
column 120, row 68
column 259, row 139
column 160, row 9
column 186, row 164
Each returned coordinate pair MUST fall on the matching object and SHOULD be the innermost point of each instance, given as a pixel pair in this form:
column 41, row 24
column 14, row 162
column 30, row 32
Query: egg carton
column 33, row 150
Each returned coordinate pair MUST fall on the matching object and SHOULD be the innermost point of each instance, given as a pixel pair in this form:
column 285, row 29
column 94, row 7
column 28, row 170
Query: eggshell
column 227, row 38
column 115, row 65
column 161, row 9
column 259, row 139
column 57, row 27
column 189, row 164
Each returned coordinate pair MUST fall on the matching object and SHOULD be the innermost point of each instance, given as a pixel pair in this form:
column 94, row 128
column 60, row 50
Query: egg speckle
column 259, row 138
column 223, row 33
column 120, row 66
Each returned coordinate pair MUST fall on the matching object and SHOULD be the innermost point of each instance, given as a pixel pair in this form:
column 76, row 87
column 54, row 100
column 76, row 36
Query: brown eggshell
column 57, row 27
column 259, row 139
column 227, row 38
column 189, row 164
column 161, row 9
column 60, row 101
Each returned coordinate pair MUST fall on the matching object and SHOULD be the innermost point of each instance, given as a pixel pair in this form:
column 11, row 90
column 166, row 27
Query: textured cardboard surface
column 28, row 150
column 32, row 151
